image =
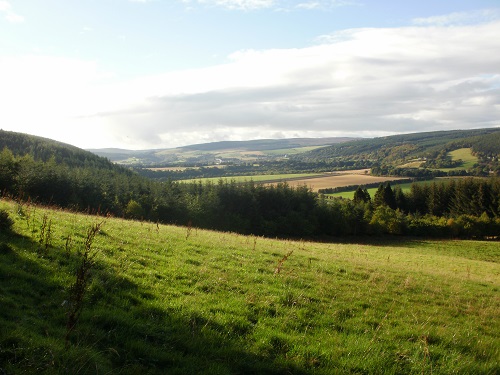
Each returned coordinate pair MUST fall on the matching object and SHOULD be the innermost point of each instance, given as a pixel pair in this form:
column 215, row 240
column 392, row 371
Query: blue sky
column 153, row 73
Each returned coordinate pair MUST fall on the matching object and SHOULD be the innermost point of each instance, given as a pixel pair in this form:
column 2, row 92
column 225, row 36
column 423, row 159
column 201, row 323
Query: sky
column 149, row 74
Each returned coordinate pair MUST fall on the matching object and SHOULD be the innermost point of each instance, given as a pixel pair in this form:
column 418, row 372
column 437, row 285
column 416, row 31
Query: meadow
column 163, row 299
column 405, row 187
column 464, row 154
column 257, row 178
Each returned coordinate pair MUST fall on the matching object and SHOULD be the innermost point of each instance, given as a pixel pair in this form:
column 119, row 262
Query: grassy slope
column 171, row 300
column 464, row 154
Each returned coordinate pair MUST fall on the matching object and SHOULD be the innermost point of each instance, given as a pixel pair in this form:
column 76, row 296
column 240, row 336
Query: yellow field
column 339, row 179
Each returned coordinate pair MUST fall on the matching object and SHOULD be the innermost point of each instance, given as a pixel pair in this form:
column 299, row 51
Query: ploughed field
column 162, row 299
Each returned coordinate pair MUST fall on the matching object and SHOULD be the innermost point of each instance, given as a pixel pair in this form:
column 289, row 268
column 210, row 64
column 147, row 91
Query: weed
column 425, row 348
column 45, row 236
column 67, row 245
column 78, row 289
column 281, row 262
column 189, row 229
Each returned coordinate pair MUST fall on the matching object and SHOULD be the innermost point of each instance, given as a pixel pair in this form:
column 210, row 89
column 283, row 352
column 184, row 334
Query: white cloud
column 9, row 14
column 282, row 5
column 460, row 18
column 324, row 4
column 360, row 81
column 240, row 4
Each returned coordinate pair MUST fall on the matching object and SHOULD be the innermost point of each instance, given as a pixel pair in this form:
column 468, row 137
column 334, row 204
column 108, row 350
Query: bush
column 5, row 221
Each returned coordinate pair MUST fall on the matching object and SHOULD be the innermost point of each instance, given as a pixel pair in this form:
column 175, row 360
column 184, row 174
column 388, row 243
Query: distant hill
column 267, row 144
column 224, row 150
column 432, row 147
column 420, row 142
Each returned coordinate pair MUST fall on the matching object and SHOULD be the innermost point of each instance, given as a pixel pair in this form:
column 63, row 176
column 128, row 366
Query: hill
column 208, row 153
column 50, row 172
column 161, row 299
column 431, row 149
column 44, row 149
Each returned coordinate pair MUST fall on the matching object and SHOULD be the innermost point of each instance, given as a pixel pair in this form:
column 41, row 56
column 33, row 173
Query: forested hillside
column 43, row 149
column 50, row 173
column 388, row 154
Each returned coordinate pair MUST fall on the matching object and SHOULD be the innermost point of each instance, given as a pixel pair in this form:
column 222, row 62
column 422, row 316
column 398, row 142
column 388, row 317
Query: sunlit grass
column 161, row 301
column 256, row 178
column 406, row 187
column 464, row 154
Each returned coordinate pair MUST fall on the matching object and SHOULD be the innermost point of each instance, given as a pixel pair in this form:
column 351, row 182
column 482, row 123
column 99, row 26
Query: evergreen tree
column 361, row 195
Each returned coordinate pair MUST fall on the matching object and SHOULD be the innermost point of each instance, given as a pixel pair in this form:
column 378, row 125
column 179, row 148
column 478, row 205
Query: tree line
column 463, row 208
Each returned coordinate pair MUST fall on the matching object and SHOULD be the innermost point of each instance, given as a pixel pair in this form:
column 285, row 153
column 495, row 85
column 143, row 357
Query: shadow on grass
column 122, row 329
column 376, row 240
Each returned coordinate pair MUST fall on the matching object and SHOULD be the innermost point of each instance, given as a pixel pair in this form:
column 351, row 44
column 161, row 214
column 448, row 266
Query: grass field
column 256, row 178
column 350, row 194
column 176, row 300
column 465, row 154
column 290, row 151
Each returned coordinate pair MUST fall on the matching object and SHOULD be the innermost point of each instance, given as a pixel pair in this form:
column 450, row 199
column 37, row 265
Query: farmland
column 167, row 299
column 341, row 179
column 257, row 178
column 314, row 181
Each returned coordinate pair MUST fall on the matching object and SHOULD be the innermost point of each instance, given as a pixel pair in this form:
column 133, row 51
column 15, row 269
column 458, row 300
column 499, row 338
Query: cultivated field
column 339, row 179
column 162, row 299
column 313, row 180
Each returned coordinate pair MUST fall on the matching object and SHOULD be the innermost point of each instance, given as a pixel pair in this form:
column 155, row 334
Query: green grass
column 256, row 178
column 175, row 300
column 350, row 194
column 291, row 151
column 464, row 154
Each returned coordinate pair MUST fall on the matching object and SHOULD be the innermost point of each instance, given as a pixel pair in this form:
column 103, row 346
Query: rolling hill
column 225, row 150
column 400, row 149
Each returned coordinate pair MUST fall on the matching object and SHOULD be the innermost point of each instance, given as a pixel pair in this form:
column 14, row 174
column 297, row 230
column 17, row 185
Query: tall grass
column 160, row 301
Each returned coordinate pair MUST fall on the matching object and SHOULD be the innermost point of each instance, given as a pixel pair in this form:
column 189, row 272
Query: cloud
column 282, row 5
column 9, row 14
column 371, row 81
column 240, row 4
column 460, row 18
column 324, row 4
